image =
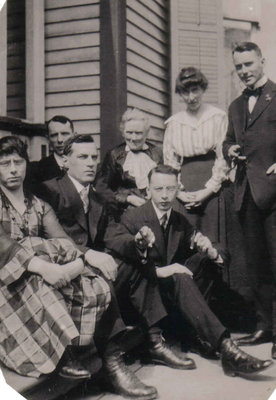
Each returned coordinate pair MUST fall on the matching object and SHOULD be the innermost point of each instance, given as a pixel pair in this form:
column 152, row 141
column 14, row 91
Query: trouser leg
column 181, row 292
column 257, row 260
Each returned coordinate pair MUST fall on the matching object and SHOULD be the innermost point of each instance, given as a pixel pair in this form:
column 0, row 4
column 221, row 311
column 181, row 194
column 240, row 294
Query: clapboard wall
column 197, row 40
column 72, row 55
column 147, row 58
column 16, row 58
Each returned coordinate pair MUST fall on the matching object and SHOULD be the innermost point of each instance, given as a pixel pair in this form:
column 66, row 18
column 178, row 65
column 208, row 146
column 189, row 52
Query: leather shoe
column 161, row 354
column 258, row 337
column 235, row 361
column 74, row 370
column 273, row 350
column 123, row 381
column 203, row 348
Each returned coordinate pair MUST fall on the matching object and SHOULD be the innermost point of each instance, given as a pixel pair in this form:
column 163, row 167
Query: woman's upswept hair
column 188, row 77
column 13, row 144
column 134, row 114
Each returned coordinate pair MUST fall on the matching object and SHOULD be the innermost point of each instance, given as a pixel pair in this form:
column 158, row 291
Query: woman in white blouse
column 193, row 145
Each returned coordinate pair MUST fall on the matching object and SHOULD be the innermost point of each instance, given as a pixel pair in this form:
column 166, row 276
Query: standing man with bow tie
column 251, row 145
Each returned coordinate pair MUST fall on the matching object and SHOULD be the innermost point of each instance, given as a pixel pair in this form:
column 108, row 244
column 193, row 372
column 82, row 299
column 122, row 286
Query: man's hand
column 103, row 262
column 204, row 245
column 169, row 270
column 144, row 238
column 271, row 169
column 135, row 201
column 234, row 153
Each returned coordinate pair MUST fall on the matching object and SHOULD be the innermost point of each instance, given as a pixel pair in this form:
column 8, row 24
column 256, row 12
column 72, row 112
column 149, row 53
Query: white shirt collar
column 261, row 82
column 160, row 213
column 79, row 187
column 59, row 160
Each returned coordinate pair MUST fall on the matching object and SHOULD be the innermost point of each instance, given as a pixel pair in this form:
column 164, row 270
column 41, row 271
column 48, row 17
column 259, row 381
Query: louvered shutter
column 197, row 40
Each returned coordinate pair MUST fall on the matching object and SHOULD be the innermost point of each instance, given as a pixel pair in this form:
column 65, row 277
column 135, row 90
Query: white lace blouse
column 186, row 136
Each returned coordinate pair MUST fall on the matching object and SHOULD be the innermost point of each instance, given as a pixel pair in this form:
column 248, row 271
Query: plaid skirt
column 37, row 321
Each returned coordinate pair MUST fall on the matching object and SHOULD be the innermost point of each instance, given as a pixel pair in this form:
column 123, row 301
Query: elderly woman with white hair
column 123, row 175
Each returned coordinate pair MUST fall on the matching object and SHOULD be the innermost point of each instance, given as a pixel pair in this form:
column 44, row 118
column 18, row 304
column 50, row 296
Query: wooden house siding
column 16, row 104
column 147, row 37
column 72, row 63
column 197, row 40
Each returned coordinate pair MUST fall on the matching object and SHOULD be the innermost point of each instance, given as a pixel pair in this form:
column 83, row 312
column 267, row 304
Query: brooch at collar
column 267, row 97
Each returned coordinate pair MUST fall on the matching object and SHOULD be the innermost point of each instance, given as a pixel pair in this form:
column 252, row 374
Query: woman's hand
column 194, row 199
column 169, row 270
column 135, row 201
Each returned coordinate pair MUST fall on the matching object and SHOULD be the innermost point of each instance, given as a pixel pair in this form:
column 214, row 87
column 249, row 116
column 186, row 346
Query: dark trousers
column 259, row 229
column 181, row 293
column 138, row 296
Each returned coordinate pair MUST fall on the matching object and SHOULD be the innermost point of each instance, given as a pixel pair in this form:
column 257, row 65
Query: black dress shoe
column 235, row 361
column 123, row 381
column 74, row 370
column 258, row 337
column 203, row 348
column 273, row 350
column 161, row 354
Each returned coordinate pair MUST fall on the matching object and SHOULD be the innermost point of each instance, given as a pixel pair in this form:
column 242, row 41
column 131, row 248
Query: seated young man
column 160, row 243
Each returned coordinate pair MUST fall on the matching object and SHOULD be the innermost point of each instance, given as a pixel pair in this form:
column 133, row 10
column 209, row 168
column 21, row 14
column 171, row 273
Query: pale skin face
column 82, row 162
column 163, row 189
column 58, row 134
column 192, row 97
column 12, row 171
column 249, row 67
column 135, row 134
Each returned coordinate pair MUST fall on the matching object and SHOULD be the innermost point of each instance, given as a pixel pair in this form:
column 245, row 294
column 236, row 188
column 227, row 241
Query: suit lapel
column 174, row 237
column 150, row 219
column 70, row 193
column 94, row 214
column 263, row 102
column 240, row 114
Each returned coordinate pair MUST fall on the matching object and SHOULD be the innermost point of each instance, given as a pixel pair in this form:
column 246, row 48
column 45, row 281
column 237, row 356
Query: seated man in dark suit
column 160, row 241
column 84, row 218
column 59, row 129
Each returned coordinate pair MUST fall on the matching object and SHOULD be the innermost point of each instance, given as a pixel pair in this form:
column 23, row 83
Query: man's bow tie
column 253, row 92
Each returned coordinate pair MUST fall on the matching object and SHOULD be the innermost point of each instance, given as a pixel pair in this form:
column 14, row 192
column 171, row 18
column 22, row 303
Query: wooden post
column 3, row 60
column 35, row 66
column 112, row 70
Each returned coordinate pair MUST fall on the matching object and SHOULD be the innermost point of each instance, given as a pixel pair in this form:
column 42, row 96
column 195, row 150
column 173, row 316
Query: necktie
column 84, row 199
column 252, row 95
column 164, row 221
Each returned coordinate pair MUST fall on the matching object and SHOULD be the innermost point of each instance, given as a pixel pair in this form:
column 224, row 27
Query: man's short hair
column 62, row 119
column 85, row 138
column 134, row 114
column 13, row 144
column 246, row 46
column 163, row 169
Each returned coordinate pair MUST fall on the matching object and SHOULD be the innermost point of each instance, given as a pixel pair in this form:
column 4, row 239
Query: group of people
column 87, row 250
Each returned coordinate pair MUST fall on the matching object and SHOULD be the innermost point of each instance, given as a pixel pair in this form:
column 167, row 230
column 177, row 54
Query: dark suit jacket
column 62, row 195
column 257, row 138
column 120, row 238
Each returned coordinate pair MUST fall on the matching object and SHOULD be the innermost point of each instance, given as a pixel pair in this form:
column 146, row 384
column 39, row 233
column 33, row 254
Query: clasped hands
column 194, row 199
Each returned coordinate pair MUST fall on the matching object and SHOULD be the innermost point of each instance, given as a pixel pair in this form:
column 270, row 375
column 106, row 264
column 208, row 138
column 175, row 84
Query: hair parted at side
column 163, row 169
column 188, row 77
column 246, row 46
column 62, row 119
column 13, row 144
column 85, row 138
column 134, row 114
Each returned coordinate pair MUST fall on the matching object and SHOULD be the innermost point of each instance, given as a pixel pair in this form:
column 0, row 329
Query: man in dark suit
column 84, row 218
column 251, row 145
column 59, row 129
column 160, row 241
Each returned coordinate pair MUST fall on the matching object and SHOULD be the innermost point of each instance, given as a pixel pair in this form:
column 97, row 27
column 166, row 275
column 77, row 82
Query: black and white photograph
column 138, row 199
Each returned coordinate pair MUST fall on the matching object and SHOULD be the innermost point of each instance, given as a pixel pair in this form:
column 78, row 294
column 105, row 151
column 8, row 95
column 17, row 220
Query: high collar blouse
column 186, row 137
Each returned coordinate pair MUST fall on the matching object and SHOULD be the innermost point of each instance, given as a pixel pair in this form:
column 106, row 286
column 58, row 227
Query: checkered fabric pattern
column 37, row 321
